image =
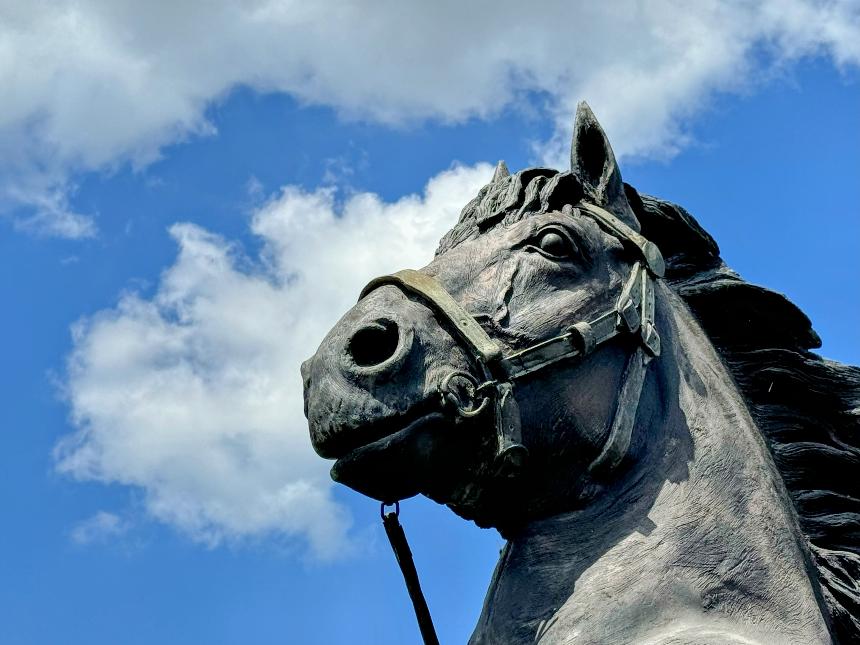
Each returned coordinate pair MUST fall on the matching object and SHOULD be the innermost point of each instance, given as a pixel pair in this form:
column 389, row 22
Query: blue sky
column 185, row 213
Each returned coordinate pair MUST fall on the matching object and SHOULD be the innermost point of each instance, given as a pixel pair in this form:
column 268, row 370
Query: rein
column 633, row 313
column 397, row 539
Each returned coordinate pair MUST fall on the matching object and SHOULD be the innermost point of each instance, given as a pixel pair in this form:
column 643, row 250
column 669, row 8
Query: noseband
column 633, row 313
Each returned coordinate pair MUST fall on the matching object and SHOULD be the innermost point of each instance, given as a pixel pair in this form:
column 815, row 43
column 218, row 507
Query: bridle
column 632, row 315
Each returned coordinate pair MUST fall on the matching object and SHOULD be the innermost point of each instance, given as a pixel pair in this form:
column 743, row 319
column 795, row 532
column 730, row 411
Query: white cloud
column 98, row 528
column 90, row 84
column 194, row 395
column 49, row 214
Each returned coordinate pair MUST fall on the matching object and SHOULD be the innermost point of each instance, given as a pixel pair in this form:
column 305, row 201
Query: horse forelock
column 807, row 407
column 511, row 198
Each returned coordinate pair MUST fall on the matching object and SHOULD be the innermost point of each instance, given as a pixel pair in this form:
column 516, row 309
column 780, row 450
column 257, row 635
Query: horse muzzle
column 376, row 373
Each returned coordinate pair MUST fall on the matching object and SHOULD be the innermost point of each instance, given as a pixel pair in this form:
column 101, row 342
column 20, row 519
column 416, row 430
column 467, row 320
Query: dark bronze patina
column 669, row 462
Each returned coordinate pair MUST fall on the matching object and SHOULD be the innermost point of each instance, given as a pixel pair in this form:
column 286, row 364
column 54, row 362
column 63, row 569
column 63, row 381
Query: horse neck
column 699, row 535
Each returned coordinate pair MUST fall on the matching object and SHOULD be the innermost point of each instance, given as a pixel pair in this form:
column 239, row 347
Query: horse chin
column 432, row 455
column 396, row 466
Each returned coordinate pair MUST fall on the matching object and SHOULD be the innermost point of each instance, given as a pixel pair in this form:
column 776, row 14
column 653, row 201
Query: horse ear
column 501, row 172
column 593, row 163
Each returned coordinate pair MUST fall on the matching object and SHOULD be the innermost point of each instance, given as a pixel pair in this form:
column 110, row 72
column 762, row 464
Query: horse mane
column 807, row 407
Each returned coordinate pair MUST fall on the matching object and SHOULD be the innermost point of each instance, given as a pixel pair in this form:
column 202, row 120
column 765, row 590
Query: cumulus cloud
column 193, row 395
column 90, row 84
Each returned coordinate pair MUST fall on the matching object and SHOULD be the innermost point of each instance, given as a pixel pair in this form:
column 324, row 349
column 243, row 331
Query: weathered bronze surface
column 668, row 460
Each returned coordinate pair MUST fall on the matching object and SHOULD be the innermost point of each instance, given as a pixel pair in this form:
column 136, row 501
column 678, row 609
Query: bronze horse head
column 579, row 369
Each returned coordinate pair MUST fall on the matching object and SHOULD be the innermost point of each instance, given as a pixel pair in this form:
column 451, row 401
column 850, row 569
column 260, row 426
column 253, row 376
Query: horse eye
column 554, row 244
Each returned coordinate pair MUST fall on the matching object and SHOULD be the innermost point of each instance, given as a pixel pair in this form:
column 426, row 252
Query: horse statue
column 667, row 460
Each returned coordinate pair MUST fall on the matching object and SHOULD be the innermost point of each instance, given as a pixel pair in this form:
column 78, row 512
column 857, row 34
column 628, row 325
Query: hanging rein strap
column 400, row 546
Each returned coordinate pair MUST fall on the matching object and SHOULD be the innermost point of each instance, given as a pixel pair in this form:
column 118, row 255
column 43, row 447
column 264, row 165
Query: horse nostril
column 374, row 343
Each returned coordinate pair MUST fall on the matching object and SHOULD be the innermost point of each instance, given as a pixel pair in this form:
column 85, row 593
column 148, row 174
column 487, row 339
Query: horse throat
column 698, row 542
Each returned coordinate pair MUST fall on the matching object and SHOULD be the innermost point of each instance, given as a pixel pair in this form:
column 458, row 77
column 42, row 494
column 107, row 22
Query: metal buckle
column 628, row 315
column 384, row 504
column 651, row 339
column 465, row 405
column 628, row 302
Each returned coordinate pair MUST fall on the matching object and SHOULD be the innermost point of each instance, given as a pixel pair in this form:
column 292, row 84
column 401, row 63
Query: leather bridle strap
column 634, row 306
